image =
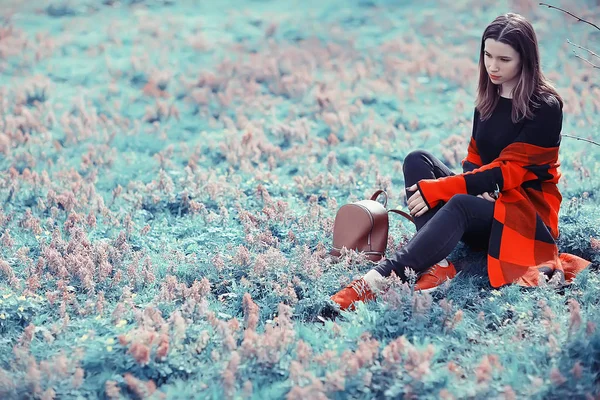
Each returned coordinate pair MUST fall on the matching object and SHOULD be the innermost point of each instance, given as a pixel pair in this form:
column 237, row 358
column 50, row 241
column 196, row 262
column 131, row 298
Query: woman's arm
column 472, row 160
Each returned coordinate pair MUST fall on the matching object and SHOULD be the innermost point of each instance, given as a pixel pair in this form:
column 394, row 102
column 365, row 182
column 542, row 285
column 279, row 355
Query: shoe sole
column 433, row 289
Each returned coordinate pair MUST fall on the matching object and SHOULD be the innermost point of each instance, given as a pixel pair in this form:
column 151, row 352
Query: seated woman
column 506, row 201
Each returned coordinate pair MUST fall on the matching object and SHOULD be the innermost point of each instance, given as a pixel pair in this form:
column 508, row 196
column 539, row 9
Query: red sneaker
column 434, row 277
column 357, row 290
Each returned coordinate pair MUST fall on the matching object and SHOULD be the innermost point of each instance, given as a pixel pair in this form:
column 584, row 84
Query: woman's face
column 502, row 63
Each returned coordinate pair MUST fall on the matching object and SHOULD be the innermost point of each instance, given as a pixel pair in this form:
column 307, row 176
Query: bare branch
column 583, row 48
column 578, row 138
column 574, row 16
column 586, row 60
column 578, row 56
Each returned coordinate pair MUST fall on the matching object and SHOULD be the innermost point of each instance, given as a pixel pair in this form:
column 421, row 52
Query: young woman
column 506, row 201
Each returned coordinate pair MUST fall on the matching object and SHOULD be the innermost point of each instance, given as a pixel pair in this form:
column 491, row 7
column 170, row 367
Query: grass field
column 171, row 170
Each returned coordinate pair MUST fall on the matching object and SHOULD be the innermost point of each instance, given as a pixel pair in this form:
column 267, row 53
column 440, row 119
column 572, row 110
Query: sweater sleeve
column 473, row 159
column 542, row 130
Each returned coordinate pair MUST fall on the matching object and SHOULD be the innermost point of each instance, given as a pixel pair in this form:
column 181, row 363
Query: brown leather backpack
column 363, row 226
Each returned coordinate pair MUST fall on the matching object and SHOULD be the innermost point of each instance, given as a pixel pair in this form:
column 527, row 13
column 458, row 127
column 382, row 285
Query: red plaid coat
column 525, row 226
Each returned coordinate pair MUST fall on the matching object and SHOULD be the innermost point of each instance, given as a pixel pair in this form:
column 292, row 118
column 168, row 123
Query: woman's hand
column 491, row 196
column 416, row 203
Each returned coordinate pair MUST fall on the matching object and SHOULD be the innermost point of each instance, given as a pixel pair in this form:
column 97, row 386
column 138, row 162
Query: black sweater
column 497, row 132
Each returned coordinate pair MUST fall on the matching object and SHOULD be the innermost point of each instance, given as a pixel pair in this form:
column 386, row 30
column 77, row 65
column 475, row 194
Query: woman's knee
column 471, row 205
column 461, row 200
column 415, row 156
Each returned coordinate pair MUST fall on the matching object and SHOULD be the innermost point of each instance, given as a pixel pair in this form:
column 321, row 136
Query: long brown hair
column 533, row 87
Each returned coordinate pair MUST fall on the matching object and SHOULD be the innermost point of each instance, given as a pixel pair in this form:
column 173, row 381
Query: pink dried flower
column 483, row 372
column 446, row 305
column 27, row 176
column 298, row 372
column 325, row 357
column 590, row 328
column 303, row 352
column 229, row 375
column 335, row 381
column 336, row 329
column 33, row 283
column 260, row 265
column 123, row 340
column 67, row 200
column 575, row 311
column 30, row 222
column 218, row 262
column 27, row 335
column 140, row 352
column 199, row 290
column 179, row 327
column 5, row 143
column 49, row 394
column 163, row 347
column 242, row 256
column 48, row 337
column 152, row 317
column 202, row 341
column 392, row 353
column 577, row 370
column 458, row 316
column 118, row 312
column 417, row 363
column 6, row 239
column 455, row 369
column 263, row 194
column 250, row 312
column 112, row 390
column 247, row 389
column 481, row 316
column 147, row 274
column 229, row 342
column 445, row 395
column 367, row 352
column 128, row 224
column 91, row 219
column 6, row 270
column 104, row 270
column 422, row 303
column 331, row 161
column 520, row 330
column 548, row 313
column 33, row 377
column 553, row 346
column 41, row 205
column 59, row 365
column 65, row 321
column 556, row 377
column 228, row 383
column 234, row 325
column 117, row 278
column 315, row 391
column 144, row 231
column 78, row 377
column 142, row 389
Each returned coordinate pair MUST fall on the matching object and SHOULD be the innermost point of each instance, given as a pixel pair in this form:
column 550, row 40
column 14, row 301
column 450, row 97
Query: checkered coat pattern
column 525, row 227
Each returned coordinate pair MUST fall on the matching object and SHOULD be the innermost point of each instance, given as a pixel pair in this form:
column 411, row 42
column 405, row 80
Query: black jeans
column 464, row 217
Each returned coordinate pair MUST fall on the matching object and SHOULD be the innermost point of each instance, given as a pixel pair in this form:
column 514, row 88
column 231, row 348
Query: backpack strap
column 376, row 195
column 380, row 191
column 405, row 215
